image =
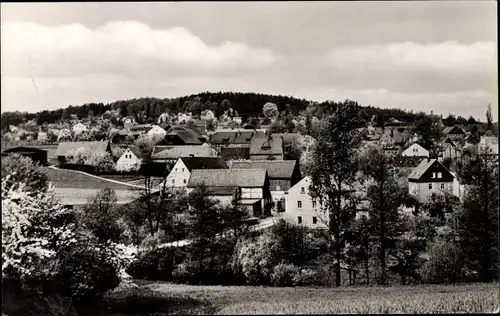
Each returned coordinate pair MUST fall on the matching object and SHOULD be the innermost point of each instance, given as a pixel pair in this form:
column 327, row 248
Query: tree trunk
column 403, row 279
column 337, row 257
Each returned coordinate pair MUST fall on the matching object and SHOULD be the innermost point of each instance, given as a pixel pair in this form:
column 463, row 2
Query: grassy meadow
column 164, row 298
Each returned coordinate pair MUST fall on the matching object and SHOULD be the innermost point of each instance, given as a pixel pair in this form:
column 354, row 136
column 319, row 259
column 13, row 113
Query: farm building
column 180, row 173
column 35, row 154
column 249, row 188
column 65, row 149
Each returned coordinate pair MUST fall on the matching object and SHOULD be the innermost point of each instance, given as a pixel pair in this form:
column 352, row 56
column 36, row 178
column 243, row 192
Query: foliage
column 17, row 169
column 285, row 274
column 82, row 156
column 101, row 214
column 444, row 264
column 333, row 168
column 478, row 219
column 255, row 259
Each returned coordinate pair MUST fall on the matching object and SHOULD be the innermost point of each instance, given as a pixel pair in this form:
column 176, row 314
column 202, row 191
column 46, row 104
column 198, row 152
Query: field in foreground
column 164, row 298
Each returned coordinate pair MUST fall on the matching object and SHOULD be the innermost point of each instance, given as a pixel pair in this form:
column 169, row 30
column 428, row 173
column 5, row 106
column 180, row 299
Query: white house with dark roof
column 300, row 207
column 283, row 174
column 181, row 171
column 131, row 158
column 249, row 188
column 431, row 177
column 415, row 150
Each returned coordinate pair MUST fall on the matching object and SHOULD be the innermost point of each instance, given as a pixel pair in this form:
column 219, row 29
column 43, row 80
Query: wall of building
column 178, row 176
column 422, row 191
column 415, row 151
column 307, row 210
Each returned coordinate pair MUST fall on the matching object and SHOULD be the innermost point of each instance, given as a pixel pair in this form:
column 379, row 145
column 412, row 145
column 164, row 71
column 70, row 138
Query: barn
column 35, row 154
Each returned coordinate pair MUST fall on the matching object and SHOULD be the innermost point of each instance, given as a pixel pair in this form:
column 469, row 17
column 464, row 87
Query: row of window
column 184, row 181
column 299, row 204
column 441, row 186
column 439, row 175
column 315, row 220
column 178, row 168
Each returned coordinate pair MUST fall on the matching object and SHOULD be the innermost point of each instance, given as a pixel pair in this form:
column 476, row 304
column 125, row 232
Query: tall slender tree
column 333, row 169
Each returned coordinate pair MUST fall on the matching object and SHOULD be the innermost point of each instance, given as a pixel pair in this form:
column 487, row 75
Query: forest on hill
column 246, row 104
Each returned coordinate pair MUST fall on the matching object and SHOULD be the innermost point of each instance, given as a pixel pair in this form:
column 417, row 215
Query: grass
column 225, row 300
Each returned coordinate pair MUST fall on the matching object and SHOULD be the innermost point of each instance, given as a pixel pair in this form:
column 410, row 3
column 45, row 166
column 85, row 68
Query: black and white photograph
column 236, row 158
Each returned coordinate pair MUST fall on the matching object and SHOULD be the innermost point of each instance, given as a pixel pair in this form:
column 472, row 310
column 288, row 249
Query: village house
column 236, row 138
column 266, row 148
column 450, row 150
column 454, row 132
column 132, row 156
column 171, row 154
column 300, row 207
column 181, row 171
column 282, row 176
column 399, row 132
column 431, row 177
column 415, row 150
column 248, row 188
column 35, row 154
column 179, row 135
column 65, row 149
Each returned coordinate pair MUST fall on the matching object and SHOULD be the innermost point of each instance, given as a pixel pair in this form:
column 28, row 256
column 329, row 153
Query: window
column 433, row 175
column 302, row 190
column 440, row 175
column 299, row 204
column 182, row 169
column 184, row 181
column 175, row 169
column 315, row 220
column 442, row 186
column 430, row 185
column 314, row 204
column 173, row 181
column 278, row 188
column 299, row 219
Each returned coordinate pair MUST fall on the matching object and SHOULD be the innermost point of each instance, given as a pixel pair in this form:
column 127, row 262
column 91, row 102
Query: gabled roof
column 249, row 178
column 23, row 149
column 137, row 152
column 276, row 169
column 453, row 130
column 184, row 151
column 188, row 136
column 266, row 146
column 159, row 148
column 193, row 163
column 235, row 137
column 65, row 148
column 422, row 167
column 235, row 153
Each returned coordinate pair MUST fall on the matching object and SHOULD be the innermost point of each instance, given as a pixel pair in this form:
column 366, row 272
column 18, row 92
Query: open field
column 223, row 300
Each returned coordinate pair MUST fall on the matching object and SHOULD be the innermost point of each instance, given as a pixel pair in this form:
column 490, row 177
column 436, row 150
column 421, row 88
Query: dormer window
column 302, row 190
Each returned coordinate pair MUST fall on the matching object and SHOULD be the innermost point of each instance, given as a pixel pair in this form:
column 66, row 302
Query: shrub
column 443, row 265
column 307, row 276
column 285, row 274
column 153, row 265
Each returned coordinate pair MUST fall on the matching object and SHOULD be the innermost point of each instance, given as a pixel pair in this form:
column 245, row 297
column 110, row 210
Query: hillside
column 246, row 104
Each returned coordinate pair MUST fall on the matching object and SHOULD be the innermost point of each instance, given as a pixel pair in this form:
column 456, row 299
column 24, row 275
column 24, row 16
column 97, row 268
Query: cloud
column 448, row 56
column 124, row 47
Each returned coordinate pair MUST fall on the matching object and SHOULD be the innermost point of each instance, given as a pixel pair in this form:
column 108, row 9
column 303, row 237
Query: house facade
column 181, row 171
column 415, row 150
column 282, row 176
column 129, row 160
column 431, row 177
column 301, row 209
column 450, row 150
column 251, row 187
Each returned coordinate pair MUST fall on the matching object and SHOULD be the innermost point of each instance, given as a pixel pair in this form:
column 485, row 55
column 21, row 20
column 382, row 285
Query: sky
column 421, row 56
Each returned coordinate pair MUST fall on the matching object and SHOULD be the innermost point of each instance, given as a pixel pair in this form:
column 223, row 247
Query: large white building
column 415, row 150
column 181, row 171
column 300, row 207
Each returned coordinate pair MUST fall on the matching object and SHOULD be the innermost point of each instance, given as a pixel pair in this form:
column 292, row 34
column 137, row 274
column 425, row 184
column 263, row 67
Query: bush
column 444, row 264
column 307, row 277
column 154, row 265
column 285, row 275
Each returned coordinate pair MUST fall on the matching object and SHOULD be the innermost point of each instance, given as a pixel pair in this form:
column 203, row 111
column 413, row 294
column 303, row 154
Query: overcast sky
column 439, row 56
